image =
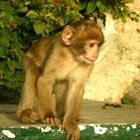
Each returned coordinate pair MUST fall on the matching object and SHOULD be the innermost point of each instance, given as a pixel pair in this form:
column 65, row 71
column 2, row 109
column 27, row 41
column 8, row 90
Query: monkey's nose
column 94, row 58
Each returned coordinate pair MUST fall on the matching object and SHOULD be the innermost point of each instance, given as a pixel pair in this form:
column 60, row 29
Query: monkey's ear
column 67, row 35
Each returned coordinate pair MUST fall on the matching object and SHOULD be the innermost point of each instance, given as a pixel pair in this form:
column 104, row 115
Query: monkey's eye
column 91, row 45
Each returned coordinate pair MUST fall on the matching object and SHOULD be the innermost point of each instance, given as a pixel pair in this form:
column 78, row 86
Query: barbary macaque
column 58, row 67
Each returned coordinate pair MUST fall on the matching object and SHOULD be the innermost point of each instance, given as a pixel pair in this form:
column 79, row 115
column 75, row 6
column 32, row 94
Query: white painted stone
column 46, row 129
column 8, row 133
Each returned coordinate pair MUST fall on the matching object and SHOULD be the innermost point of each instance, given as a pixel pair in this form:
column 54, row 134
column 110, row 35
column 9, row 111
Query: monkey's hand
column 72, row 130
column 52, row 121
column 29, row 116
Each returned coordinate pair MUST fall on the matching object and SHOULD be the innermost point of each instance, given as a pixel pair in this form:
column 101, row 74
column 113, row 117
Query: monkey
column 56, row 71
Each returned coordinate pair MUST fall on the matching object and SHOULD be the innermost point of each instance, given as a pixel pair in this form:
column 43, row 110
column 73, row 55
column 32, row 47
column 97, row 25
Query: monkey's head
column 84, row 39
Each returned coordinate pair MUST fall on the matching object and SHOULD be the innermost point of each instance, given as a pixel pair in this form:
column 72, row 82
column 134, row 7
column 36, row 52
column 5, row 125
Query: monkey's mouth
column 88, row 61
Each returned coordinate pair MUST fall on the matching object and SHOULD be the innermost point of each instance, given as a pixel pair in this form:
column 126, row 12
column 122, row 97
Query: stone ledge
column 88, row 132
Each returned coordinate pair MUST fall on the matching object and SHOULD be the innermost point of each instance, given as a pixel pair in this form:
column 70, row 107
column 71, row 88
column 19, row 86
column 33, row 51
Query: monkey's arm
column 75, row 94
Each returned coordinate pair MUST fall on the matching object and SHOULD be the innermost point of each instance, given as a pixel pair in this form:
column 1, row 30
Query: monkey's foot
column 52, row 121
column 72, row 131
column 29, row 116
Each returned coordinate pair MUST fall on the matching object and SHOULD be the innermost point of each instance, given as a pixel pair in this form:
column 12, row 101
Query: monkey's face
column 84, row 41
column 89, row 52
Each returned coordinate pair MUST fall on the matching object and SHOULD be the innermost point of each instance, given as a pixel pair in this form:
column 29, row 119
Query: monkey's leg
column 44, row 86
column 73, row 101
column 25, row 108
column 25, row 111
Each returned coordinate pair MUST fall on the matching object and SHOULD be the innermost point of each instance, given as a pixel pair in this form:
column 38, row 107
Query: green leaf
column 19, row 20
column 3, row 51
column 6, row 34
column 91, row 7
column 15, row 36
column 60, row 21
column 23, row 10
column 4, row 42
column 19, row 55
column 2, row 64
column 19, row 76
column 116, row 15
column 39, row 27
column 5, row 38
column 6, row 17
column 32, row 14
column 82, row 5
column 16, row 44
column 3, row 5
column 98, row 4
column 11, row 64
column 8, row 73
column 102, row 7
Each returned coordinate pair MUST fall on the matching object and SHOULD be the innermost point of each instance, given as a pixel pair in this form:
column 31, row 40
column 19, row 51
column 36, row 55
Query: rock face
column 117, row 70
